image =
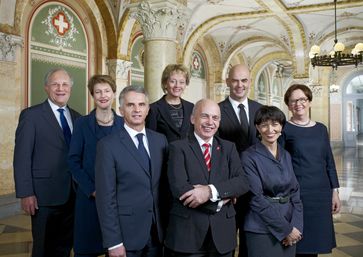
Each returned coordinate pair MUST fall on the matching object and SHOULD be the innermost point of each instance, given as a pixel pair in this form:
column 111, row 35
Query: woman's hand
column 294, row 237
column 336, row 204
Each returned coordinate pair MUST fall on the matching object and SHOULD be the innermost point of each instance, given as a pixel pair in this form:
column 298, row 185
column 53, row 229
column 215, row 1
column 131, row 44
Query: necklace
column 175, row 106
column 301, row 125
column 107, row 121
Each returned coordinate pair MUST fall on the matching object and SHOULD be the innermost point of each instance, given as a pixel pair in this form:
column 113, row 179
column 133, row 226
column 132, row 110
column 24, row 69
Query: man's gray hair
column 137, row 89
column 52, row 71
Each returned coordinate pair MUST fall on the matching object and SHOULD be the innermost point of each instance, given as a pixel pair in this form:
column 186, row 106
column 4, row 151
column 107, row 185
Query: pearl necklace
column 107, row 121
column 301, row 125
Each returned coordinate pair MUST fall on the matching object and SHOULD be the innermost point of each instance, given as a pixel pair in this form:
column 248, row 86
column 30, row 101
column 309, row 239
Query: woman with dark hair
column 274, row 220
column 170, row 115
column 82, row 153
column 308, row 143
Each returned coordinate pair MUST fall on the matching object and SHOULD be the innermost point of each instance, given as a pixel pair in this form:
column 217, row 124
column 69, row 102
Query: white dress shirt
column 66, row 112
column 215, row 195
column 236, row 108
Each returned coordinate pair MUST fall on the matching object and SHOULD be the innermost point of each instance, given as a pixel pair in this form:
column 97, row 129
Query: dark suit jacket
column 82, row 155
column 159, row 120
column 230, row 128
column 127, row 194
column 270, row 177
column 40, row 156
column 188, row 227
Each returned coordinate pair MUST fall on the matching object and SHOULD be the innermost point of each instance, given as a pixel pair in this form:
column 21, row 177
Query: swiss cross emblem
column 60, row 23
column 195, row 63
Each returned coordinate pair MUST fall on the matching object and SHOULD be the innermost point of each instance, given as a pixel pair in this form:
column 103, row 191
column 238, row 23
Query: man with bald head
column 237, row 126
column 205, row 175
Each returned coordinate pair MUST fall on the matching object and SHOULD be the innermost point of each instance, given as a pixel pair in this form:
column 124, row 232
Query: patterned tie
column 206, row 154
column 66, row 130
column 243, row 118
column 142, row 151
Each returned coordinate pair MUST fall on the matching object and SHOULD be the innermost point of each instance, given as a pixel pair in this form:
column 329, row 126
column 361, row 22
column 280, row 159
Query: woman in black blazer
column 87, row 131
column 170, row 115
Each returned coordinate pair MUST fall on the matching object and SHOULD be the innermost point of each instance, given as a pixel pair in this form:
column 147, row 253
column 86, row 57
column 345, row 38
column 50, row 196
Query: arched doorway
column 353, row 109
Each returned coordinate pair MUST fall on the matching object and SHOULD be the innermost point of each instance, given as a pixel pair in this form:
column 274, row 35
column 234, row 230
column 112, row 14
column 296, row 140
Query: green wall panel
column 79, row 91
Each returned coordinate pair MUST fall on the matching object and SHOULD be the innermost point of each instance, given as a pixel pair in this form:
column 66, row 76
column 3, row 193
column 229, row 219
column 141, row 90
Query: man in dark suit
column 205, row 174
column 42, row 179
column 129, row 171
column 237, row 125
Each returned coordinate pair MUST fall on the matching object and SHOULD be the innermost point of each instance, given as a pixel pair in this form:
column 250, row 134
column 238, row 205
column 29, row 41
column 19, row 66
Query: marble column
column 119, row 70
column 11, row 102
column 160, row 22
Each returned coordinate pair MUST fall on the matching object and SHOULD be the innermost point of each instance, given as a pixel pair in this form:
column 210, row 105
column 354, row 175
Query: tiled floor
column 15, row 236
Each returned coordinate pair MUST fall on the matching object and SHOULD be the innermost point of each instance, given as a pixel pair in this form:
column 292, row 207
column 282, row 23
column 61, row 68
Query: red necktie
column 207, row 155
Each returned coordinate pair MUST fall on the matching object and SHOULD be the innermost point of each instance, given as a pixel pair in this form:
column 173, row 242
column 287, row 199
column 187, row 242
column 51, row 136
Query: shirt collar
column 201, row 141
column 56, row 107
column 133, row 132
column 236, row 103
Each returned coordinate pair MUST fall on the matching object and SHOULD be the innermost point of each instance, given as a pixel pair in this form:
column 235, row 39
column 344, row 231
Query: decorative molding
column 221, row 89
column 118, row 69
column 160, row 20
column 8, row 44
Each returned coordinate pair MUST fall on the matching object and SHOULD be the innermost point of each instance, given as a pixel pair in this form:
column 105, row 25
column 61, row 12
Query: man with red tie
column 205, row 175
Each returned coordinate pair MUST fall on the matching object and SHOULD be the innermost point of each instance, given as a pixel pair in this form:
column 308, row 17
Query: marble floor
column 15, row 236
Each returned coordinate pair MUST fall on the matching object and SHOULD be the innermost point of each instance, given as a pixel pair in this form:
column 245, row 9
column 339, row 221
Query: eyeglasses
column 301, row 100
column 54, row 85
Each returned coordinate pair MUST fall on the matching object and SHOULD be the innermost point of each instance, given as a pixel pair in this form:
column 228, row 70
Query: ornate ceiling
column 256, row 29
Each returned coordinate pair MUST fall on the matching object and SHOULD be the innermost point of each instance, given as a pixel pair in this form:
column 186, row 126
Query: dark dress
column 81, row 160
column 160, row 119
column 267, row 221
column 314, row 167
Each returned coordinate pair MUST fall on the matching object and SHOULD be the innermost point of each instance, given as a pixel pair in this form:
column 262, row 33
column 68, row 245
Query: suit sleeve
column 237, row 184
column 75, row 160
column 177, row 174
column 330, row 163
column 23, row 152
column 178, row 178
column 269, row 212
column 106, row 198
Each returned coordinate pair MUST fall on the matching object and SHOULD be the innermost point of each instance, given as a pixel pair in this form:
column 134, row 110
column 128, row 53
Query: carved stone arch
column 259, row 64
column 200, row 31
column 237, row 47
column 89, row 15
column 110, row 27
column 207, row 47
column 128, row 28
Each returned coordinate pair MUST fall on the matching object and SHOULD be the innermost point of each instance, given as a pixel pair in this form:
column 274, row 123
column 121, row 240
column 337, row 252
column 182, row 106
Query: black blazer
column 159, row 119
column 40, row 156
column 230, row 128
column 128, row 195
column 188, row 227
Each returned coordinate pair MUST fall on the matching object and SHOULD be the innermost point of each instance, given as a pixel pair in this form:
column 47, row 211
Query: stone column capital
column 8, row 45
column 118, row 69
column 160, row 19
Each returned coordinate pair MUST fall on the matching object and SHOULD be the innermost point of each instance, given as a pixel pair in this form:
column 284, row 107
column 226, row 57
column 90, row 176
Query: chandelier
column 336, row 57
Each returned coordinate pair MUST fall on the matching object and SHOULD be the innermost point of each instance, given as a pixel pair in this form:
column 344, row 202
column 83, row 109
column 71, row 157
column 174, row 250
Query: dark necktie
column 243, row 118
column 142, row 151
column 206, row 154
column 66, row 130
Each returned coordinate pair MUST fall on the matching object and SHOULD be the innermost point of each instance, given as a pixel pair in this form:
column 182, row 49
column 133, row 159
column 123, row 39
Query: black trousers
column 52, row 230
column 153, row 248
column 208, row 249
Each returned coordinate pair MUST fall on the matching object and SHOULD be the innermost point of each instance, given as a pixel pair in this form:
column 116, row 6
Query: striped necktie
column 206, row 154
